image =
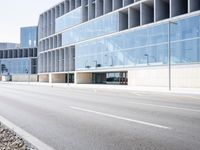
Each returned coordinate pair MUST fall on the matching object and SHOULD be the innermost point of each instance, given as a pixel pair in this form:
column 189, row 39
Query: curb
column 34, row 142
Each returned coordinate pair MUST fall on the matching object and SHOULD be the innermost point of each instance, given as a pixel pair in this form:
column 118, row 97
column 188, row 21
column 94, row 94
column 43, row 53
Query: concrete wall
column 44, row 78
column 83, row 78
column 24, row 78
column 182, row 76
column 57, row 78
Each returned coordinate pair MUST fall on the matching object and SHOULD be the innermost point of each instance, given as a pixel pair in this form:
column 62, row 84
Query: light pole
column 86, row 63
column 146, row 55
column 69, row 68
column 28, row 74
column 111, row 59
column 28, row 70
column 95, row 61
column 169, row 53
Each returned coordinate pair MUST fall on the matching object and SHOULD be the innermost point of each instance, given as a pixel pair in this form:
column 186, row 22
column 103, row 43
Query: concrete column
column 66, row 5
column 107, row 6
column 45, row 21
column 49, row 31
column 60, row 60
column 53, row 20
column 91, row 9
column 71, row 59
column 99, row 8
column 43, row 25
column 43, row 62
column 71, row 4
column 62, row 8
column 57, row 60
column 47, row 26
column 84, row 4
column 48, row 62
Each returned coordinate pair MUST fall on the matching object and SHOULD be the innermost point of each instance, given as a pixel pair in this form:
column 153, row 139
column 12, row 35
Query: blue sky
column 18, row 13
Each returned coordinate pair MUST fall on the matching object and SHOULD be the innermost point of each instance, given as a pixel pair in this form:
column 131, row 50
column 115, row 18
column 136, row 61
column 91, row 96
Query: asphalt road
column 103, row 119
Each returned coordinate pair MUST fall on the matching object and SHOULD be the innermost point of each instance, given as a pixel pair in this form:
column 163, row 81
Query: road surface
column 103, row 119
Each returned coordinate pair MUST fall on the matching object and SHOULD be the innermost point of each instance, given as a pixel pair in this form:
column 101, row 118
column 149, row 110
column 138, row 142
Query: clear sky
column 19, row 13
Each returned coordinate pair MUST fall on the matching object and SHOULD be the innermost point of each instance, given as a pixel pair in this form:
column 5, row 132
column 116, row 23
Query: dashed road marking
column 121, row 118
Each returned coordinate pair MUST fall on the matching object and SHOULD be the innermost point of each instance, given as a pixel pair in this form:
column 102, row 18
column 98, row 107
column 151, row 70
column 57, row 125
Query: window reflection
column 14, row 66
column 98, row 27
column 70, row 19
column 144, row 47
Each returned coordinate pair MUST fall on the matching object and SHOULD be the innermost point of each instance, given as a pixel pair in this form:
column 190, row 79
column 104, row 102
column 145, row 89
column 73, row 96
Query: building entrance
column 118, row 78
column 71, row 78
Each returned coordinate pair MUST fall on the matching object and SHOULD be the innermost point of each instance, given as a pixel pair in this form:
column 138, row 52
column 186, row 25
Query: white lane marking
column 169, row 107
column 25, row 135
column 121, row 118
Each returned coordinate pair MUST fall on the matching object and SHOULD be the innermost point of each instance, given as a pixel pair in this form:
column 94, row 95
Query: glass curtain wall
column 94, row 28
column 28, row 37
column 15, row 66
column 70, row 19
column 143, row 47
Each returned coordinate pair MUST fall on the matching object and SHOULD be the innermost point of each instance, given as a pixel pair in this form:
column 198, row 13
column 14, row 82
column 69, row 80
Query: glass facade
column 98, row 27
column 68, row 20
column 28, row 37
column 4, row 46
column 15, row 66
column 143, row 47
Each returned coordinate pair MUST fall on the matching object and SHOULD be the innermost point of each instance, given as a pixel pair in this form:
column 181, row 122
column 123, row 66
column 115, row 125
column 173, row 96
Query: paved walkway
column 116, row 87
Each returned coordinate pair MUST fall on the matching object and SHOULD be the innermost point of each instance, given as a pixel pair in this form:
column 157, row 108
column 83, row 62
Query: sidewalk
column 195, row 91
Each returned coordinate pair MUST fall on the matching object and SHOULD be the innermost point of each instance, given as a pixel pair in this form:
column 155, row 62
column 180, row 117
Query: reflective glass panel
column 68, row 20
column 94, row 28
column 142, row 47
column 15, row 66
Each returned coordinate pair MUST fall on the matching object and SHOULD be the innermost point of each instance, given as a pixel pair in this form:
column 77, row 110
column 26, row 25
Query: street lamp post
column 147, row 56
column 95, row 61
column 169, row 53
column 111, row 59
column 68, row 68
column 28, row 70
column 86, row 63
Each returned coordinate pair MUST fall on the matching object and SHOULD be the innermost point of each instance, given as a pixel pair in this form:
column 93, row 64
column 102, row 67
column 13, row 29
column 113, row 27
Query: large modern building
column 5, row 45
column 28, row 37
column 129, row 42
column 20, row 62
